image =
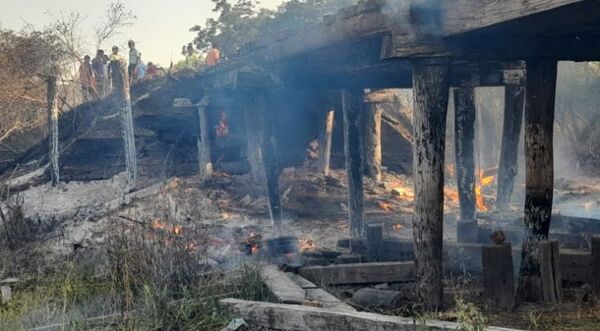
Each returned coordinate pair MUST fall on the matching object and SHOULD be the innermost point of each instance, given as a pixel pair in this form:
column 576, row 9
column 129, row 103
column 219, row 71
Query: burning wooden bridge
column 430, row 46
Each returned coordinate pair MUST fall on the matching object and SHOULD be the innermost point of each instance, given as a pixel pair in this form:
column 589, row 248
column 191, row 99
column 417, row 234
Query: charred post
column 325, row 135
column 258, row 101
column 498, row 276
column 53, row 153
column 205, row 166
column 430, row 89
column 122, row 99
column 374, row 242
column 372, row 141
column 595, row 262
column 464, row 134
column 352, row 106
column 514, row 100
column 539, row 120
column 253, row 142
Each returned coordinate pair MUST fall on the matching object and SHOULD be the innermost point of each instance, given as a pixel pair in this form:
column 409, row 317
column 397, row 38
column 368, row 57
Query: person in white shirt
column 134, row 59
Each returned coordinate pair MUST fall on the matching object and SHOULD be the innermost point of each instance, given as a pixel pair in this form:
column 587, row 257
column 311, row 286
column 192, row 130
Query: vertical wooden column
column 539, row 121
column 253, row 141
column 430, row 89
column 258, row 107
column 464, row 135
column 53, row 153
column 325, row 135
column 372, row 140
column 514, row 100
column 595, row 262
column 205, row 166
column 352, row 106
column 120, row 81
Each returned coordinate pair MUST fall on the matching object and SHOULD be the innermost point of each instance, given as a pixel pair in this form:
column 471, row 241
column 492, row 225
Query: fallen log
column 300, row 318
column 360, row 273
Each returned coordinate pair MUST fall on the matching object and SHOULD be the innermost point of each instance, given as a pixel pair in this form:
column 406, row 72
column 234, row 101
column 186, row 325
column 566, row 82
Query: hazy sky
column 160, row 30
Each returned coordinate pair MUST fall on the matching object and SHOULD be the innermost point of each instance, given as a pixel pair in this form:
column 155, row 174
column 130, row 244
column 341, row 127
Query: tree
column 117, row 17
column 243, row 21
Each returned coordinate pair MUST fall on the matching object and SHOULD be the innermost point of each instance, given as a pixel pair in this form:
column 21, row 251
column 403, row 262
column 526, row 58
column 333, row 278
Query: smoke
column 421, row 17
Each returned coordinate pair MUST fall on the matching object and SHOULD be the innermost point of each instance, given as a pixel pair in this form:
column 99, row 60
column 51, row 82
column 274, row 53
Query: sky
column 161, row 28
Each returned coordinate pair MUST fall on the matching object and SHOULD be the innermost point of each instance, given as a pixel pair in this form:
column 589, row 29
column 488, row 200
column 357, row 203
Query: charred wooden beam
column 374, row 242
column 464, row 134
column 372, row 140
column 360, row 273
column 53, row 153
column 514, row 101
column 539, row 121
column 205, row 166
column 352, row 107
column 430, row 88
column 279, row 316
column 120, row 82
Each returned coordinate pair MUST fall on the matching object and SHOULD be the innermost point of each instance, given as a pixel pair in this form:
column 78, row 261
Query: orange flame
column 397, row 227
column 450, row 194
column 385, row 206
column 307, row 244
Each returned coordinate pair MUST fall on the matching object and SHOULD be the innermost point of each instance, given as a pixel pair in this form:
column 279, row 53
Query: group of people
column 94, row 74
column 193, row 61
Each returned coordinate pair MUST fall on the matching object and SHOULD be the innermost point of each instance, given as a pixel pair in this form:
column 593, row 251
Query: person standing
column 213, row 57
column 134, row 59
column 99, row 67
column 86, row 77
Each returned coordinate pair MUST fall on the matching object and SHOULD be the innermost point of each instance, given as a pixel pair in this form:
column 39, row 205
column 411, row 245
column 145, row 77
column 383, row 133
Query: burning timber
column 279, row 96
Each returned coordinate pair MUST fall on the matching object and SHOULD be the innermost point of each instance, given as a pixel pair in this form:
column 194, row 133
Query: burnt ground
column 225, row 212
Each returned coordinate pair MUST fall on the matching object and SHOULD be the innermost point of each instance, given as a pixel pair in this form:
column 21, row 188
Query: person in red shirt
column 213, row 57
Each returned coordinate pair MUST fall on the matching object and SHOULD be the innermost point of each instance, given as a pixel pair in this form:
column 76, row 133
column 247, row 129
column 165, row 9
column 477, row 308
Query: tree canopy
column 242, row 21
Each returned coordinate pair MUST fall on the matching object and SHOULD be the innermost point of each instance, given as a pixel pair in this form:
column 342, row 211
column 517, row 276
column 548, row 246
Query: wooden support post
column 514, row 100
column 430, row 89
column 539, row 121
column 464, row 133
column 268, row 153
column 205, row 166
column 549, row 258
column 253, row 141
column 374, row 242
column 352, row 106
column 325, row 135
column 498, row 275
column 53, row 153
column 120, row 81
column 372, row 141
column 595, row 263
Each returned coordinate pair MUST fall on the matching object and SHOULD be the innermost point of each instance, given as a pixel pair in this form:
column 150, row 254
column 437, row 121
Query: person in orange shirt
column 87, row 79
column 213, row 56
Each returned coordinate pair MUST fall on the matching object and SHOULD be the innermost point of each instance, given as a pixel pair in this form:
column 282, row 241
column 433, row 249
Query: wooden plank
column 316, row 294
column 374, row 242
column 299, row 318
column 360, row 273
column 460, row 16
column 283, row 288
